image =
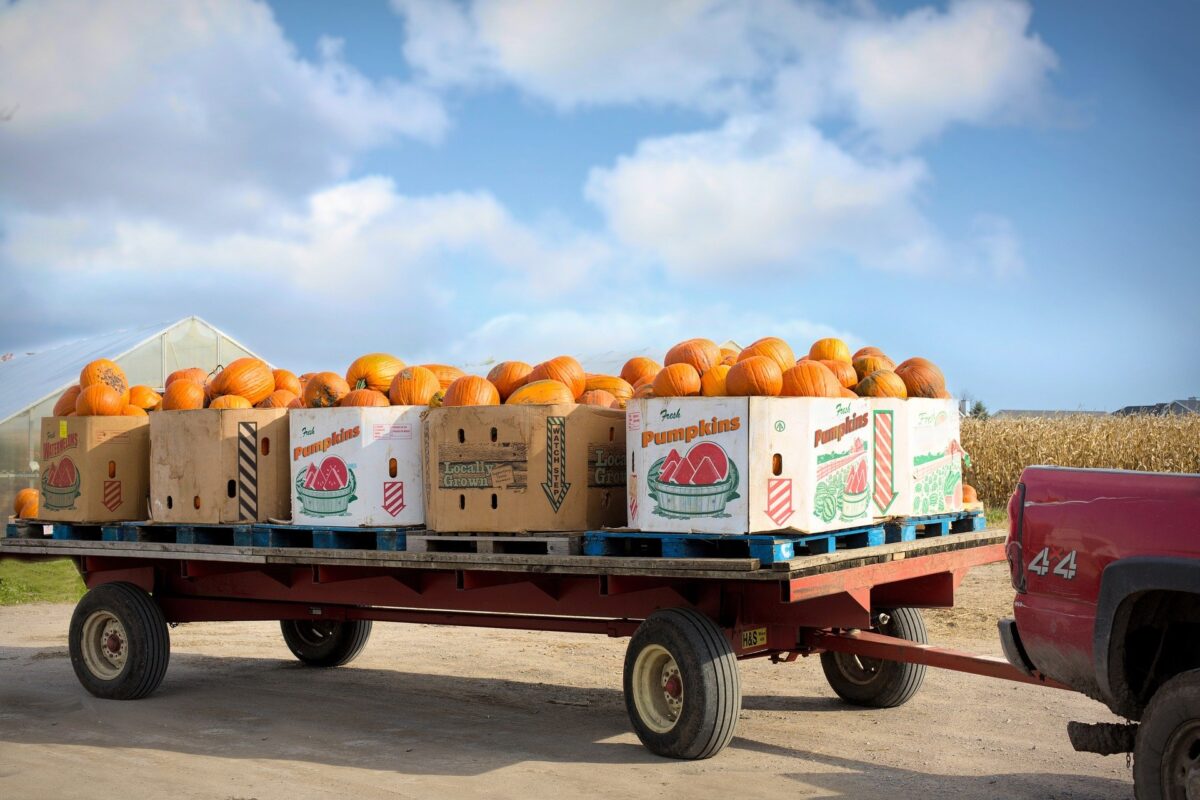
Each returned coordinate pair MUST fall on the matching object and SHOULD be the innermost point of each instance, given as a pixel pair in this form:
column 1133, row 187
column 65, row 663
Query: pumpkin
column 598, row 397
column 757, row 376
column 619, row 388
column 701, row 354
column 865, row 365
column 563, row 369
column 881, row 383
column 471, row 390
column 646, row 390
column 183, row 395
column 29, row 508
column 108, row 373
column 144, row 398
column 304, row 378
column 446, row 375
column 324, row 389
column 287, row 381
column 868, row 351
column 191, row 373
column 849, row 393
column 831, row 348
column 842, row 371
column 66, row 401
column 436, row 400
column 729, row 354
column 229, row 402
column 773, row 348
column 369, row 398
column 133, row 411
column 508, row 376
column 677, row 380
column 639, row 369
column 811, row 379
column 969, row 494
column 373, row 371
column 712, row 383
column 280, row 398
column 921, row 378
column 247, row 377
column 413, row 386
column 99, row 400
column 944, row 395
column 24, row 496
column 541, row 393
column 296, row 402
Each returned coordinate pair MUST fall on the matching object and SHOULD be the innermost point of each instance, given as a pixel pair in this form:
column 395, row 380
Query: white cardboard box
column 750, row 464
column 928, row 457
column 357, row 467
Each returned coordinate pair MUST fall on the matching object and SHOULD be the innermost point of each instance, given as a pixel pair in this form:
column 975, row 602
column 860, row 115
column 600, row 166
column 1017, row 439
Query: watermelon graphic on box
column 327, row 490
column 699, row 482
column 60, row 485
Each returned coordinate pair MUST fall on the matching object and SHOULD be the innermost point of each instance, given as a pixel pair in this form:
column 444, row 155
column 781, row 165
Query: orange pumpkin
column 230, row 401
column 24, row 496
column 598, row 397
column 969, row 494
column 29, row 508
column 413, row 386
column 66, row 401
column 865, row 365
column 849, row 393
column 944, row 395
column 471, row 390
column 296, row 402
column 677, row 380
column 280, row 398
column 617, row 387
column 436, row 400
column 144, row 398
column 639, row 369
column 773, row 348
column 191, row 373
column 831, row 348
column 446, row 375
column 508, row 376
column 881, row 383
column 868, row 351
column 922, row 379
column 108, row 373
column 712, row 383
column 563, row 369
column 247, row 377
column 133, row 411
column 99, row 400
column 757, row 376
column 287, row 381
column 811, row 379
column 369, row 398
column 183, row 395
column 646, row 390
column 842, row 371
column 729, row 355
column 541, row 393
column 324, row 389
column 701, row 354
column 373, row 371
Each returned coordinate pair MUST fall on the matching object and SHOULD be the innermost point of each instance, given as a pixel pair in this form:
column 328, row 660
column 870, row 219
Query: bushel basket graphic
column 327, row 490
column 698, row 483
column 60, row 485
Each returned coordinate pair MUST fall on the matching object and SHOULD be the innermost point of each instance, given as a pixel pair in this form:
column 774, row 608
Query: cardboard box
column 524, row 468
column 219, row 466
column 357, row 466
column 94, row 469
column 928, row 457
column 738, row 465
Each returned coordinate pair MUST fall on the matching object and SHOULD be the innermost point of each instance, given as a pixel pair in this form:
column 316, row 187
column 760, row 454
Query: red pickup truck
column 1106, row 566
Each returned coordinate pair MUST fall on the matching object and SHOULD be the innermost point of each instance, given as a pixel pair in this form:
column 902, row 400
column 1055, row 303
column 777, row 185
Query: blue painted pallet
column 240, row 535
column 25, row 530
column 172, row 534
column 909, row 529
column 768, row 548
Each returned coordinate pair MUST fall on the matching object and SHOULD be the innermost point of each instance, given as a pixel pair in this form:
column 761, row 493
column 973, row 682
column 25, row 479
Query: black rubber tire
column 891, row 683
column 1166, row 752
column 147, row 641
column 325, row 643
column 708, row 670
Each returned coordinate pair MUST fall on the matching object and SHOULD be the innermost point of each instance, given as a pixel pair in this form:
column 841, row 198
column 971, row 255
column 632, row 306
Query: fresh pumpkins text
column 344, row 435
column 704, row 427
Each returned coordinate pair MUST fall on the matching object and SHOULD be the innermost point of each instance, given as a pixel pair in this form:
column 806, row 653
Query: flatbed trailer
column 689, row 619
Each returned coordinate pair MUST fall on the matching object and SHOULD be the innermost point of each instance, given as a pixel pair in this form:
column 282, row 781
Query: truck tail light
column 1016, row 533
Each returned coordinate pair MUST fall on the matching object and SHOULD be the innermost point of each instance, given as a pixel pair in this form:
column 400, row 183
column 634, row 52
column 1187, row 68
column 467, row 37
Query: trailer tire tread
column 148, row 640
column 345, row 645
column 896, row 682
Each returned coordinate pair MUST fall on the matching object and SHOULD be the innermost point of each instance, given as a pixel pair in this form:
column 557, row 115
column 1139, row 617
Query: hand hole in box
column 391, row 467
column 196, row 502
column 265, row 446
column 606, row 499
column 170, row 501
column 462, row 436
column 112, row 469
column 462, row 502
column 777, row 464
column 493, row 500
column 612, row 434
column 493, row 434
column 231, row 489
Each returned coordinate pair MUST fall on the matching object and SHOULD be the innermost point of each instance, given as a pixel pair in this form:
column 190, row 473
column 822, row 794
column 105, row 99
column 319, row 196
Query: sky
column 1011, row 189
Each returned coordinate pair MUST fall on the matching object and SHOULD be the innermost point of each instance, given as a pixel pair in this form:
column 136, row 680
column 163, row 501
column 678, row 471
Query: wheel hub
column 658, row 692
column 104, row 645
column 1181, row 763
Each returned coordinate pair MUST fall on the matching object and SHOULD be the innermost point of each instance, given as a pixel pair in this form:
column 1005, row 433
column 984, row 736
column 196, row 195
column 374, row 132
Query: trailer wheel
column 118, row 642
column 682, row 689
column 325, row 643
column 1166, row 753
column 876, row 683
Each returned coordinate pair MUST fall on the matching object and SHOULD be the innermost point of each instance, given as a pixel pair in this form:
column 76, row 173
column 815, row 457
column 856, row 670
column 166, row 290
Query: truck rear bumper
column 1014, row 651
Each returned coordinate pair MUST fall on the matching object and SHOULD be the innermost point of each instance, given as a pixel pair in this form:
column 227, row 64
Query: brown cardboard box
column 524, row 468
column 94, row 469
column 219, row 466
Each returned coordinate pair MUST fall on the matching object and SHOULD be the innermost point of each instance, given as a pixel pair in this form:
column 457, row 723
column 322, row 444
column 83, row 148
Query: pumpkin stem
column 361, row 383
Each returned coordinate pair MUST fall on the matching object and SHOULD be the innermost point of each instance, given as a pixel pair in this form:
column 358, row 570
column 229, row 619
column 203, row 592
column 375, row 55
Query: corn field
column 1001, row 448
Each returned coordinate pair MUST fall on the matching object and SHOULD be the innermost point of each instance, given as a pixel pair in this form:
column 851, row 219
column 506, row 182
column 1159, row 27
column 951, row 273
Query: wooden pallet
column 768, row 548
column 551, row 544
column 909, row 529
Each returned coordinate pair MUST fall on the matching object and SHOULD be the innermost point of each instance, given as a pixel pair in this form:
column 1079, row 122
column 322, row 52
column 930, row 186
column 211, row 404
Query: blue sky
column 1007, row 188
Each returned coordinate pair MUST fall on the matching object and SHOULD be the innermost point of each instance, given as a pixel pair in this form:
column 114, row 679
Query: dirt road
column 428, row 712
